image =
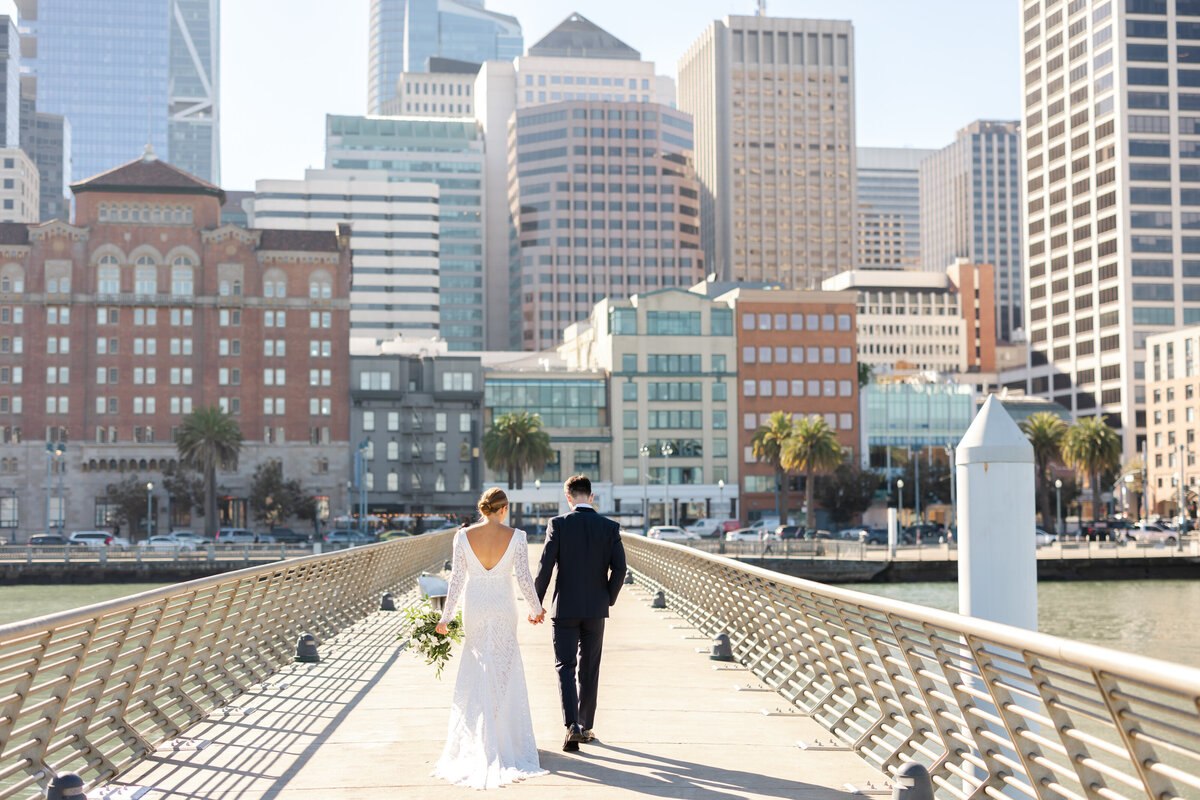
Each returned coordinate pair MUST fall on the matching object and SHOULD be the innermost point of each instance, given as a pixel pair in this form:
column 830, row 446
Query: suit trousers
column 578, row 641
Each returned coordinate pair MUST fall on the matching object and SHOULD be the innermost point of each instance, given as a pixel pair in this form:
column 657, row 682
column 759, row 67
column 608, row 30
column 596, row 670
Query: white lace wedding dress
column 490, row 740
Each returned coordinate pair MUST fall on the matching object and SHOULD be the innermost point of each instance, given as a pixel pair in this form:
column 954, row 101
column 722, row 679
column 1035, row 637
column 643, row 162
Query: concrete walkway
column 369, row 722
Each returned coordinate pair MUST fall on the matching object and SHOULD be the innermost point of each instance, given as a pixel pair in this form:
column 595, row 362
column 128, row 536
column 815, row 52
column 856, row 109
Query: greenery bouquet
column 420, row 629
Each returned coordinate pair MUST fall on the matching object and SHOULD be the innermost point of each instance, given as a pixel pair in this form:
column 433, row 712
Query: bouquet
column 420, row 624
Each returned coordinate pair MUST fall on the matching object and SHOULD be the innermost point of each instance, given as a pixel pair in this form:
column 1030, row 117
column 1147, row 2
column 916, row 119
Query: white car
column 1044, row 537
column 750, row 535
column 708, row 527
column 770, row 523
column 671, row 533
column 1149, row 532
column 168, row 544
column 97, row 539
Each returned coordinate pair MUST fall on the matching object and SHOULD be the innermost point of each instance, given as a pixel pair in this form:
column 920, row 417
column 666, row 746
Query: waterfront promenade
column 369, row 722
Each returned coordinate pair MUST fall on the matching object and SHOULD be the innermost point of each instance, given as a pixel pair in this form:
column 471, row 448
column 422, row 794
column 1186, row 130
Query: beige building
column 19, row 191
column 773, row 103
column 672, row 360
column 1172, row 380
column 446, row 90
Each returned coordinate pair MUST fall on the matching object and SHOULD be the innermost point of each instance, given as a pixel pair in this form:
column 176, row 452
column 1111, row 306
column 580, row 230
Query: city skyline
column 897, row 104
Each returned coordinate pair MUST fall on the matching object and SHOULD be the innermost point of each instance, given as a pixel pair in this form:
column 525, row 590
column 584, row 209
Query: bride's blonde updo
column 492, row 501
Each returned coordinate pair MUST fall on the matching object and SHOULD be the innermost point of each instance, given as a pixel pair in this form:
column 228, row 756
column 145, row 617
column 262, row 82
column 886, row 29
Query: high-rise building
column 970, row 208
column 448, row 153
column 445, row 90
column 406, row 34
column 604, row 202
column 393, row 235
column 773, row 102
column 148, row 74
column 1112, row 197
column 49, row 145
column 889, row 207
column 146, row 310
column 19, row 186
column 10, row 76
column 1172, row 370
column 193, row 86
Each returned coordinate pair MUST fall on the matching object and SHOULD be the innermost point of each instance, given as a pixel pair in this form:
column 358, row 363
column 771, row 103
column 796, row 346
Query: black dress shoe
column 573, row 738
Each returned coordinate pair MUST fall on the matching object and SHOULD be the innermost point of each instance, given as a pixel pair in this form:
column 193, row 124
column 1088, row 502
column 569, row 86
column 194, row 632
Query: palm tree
column 767, row 446
column 813, row 447
column 209, row 440
column 515, row 444
column 1045, row 431
column 1091, row 447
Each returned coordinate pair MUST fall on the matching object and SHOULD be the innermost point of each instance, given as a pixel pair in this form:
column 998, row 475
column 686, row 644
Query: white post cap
column 993, row 437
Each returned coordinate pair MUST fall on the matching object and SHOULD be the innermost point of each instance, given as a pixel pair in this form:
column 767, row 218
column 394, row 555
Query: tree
column 767, row 446
column 127, row 499
column 184, row 488
column 848, row 491
column 1092, row 448
column 865, row 373
column 928, row 477
column 209, row 440
column 1045, row 431
column 812, row 448
column 515, row 444
column 273, row 499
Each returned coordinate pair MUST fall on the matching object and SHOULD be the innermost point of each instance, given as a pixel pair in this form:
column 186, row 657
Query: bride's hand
column 442, row 629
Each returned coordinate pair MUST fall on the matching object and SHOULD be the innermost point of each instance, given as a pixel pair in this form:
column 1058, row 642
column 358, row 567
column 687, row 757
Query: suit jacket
column 586, row 548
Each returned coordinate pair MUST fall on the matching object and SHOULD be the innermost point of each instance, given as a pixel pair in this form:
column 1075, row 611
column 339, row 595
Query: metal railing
column 844, row 550
column 94, row 689
column 991, row 710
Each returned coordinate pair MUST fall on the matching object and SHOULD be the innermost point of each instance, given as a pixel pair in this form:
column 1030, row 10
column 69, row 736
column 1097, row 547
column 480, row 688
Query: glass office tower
column 128, row 72
column 405, row 34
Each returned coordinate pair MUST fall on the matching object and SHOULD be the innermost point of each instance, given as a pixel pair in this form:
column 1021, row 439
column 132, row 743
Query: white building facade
column 394, row 238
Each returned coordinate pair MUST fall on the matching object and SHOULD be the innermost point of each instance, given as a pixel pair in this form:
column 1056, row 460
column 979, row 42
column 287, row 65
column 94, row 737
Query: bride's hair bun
column 492, row 501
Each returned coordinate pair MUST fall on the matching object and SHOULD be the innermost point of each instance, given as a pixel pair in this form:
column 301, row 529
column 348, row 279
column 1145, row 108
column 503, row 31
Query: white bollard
column 997, row 562
column 893, row 532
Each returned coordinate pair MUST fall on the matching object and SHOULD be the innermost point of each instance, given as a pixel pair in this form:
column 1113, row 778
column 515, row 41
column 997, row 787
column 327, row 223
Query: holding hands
column 537, row 620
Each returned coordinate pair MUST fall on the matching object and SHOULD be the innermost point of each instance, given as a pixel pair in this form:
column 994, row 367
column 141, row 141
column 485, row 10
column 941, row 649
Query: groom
column 586, row 548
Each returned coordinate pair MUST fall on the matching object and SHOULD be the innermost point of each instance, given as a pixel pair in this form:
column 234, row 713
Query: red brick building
column 796, row 354
column 113, row 328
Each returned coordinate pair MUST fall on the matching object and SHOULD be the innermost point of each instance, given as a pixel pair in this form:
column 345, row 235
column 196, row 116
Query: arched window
column 464, row 482
column 320, row 285
column 108, row 275
column 439, row 451
column 393, row 450
column 393, row 481
column 439, row 484
column 145, row 276
column 182, row 277
column 414, row 480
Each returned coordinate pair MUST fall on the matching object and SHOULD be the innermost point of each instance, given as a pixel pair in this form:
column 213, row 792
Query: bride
column 490, row 740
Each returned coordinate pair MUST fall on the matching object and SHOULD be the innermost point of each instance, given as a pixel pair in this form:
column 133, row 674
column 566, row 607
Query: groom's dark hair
column 578, row 486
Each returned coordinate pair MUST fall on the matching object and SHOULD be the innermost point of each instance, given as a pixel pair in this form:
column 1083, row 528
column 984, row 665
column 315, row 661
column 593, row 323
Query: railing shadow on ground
column 990, row 710
column 95, row 689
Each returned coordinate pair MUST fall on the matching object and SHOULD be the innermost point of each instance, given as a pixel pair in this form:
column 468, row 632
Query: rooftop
column 147, row 175
column 579, row 37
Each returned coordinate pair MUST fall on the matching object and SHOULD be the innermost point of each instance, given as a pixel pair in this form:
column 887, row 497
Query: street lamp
column 55, row 450
column 645, row 488
column 900, row 500
column 1059, row 528
column 149, row 498
column 668, row 450
column 953, row 493
column 537, row 487
column 1128, row 491
column 721, row 495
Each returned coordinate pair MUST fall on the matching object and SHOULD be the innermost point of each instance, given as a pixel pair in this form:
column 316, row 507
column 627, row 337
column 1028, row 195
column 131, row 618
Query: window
column 182, row 277
column 439, row 422
column 458, row 381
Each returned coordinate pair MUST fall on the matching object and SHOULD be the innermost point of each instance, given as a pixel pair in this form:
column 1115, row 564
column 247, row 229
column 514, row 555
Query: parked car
column 770, row 523
column 875, row 536
column 169, row 544
column 1043, row 537
column 671, row 533
column 237, row 536
column 789, row 532
column 748, row 535
column 708, row 528
column 347, row 538
column 1149, row 532
column 397, row 533
column 289, row 536
column 926, row 532
column 48, row 540
column 97, row 539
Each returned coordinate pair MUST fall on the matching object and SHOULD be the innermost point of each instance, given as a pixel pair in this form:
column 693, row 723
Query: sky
column 924, row 68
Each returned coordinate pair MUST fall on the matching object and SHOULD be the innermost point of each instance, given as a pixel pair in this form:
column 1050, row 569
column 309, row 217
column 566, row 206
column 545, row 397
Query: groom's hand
column 538, row 619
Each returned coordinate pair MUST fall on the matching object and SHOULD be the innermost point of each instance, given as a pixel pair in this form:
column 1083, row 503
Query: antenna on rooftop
column 762, row 8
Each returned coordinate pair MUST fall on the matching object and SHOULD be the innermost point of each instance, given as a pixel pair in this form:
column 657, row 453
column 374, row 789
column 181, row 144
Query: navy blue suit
column 586, row 548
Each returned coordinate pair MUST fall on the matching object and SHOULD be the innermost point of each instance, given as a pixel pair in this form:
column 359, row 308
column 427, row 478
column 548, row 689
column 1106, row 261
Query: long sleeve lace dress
column 490, row 740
